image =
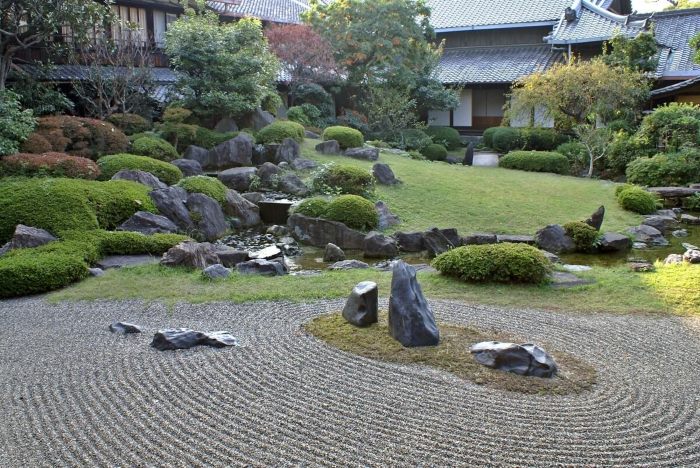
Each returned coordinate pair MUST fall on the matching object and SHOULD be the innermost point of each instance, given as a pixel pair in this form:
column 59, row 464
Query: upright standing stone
column 469, row 155
column 411, row 320
column 596, row 219
column 362, row 305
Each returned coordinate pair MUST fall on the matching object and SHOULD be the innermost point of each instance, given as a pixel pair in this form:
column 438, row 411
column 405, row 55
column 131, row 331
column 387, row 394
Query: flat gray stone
column 120, row 261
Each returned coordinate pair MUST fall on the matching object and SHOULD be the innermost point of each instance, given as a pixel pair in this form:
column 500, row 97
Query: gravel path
column 73, row 394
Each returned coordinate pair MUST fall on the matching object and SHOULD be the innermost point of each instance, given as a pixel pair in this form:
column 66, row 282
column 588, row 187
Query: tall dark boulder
column 411, row 321
column 596, row 219
column 362, row 305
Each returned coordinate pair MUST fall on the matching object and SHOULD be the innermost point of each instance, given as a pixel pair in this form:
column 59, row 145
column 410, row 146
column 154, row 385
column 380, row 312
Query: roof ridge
column 501, row 46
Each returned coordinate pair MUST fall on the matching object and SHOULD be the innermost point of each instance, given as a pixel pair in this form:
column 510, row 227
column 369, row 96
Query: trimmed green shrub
column 672, row 126
column 535, row 161
column 182, row 135
column 434, row 152
column 542, row 139
column 692, row 203
column 48, row 165
column 584, row 236
column 339, row 179
column 487, row 139
column 633, row 198
column 64, row 204
column 577, row 155
column 210, row 138
column 353, row 211
column 155, row 148
column 129, row 123
column 176, row 114
column 507, row 139
column 279, row 130
column 445, row 136
column 345, row 136
column 315, row 207
column 666, row 169
column 209, row 186
column 622, row 150
column 122, row 242
column 503, row 263
column 412, row 139
column 306, row 114
column 166, row 172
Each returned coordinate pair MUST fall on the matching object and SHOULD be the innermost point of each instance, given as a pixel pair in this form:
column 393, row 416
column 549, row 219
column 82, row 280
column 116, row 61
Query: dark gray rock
column 692, row 256
column 96, row 272
column 237, row 178
column 236, row 152
column 348, row 265
column 648, row 235
column 269, row 175
column 469, row 155
column 226, row 125
column 184, row 338
column 170, row 202
column 145, row 178
column 680, row 233
column 189, row 167
column 333, row 253
column 253, row 197
column 525, row 359
column 670, row 213
column 690, row 219
column 259, row 119
column 436, row 243
column 410, row 241
column 191, row 254
column 261, row 267
column 452, row 160
column 689, row 246
column 362, row 305
column 277, row 230
column 148, row 223
column 328, row 147
column 288, row 151
column 264, row 153
column 26, row 237
column 386, row 217
column 303, row 164
column 614, row 242
column 216, row 271
column 319, row 232
column 411, row 321
column 209, row 220
column 553, row 238
column 480, row 238
column 384, row 175
column 550, row 256
column 310, row 134
column 291, row 183
column 124, row 328
column 377, row 245
column 515, row 239
column 452, row 235
column 596, row 219
column 198, row 154
column 662, row 223
column 367, row 154
column 231, row 257
column 120, row 261
column 247, row 212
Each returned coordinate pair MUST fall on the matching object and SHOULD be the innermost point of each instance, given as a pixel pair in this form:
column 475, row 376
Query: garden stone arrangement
column 525, row 359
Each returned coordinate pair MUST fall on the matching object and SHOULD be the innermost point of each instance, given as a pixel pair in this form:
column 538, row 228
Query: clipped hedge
column 542, row 139
column 155, row 148
column 535, row 161
column 584, row 236
column 353, row 211
column 445, row 136
column 502, row 263
column 507, row 139
column 341, row 179
column 670, row 169
column 636, row 199
column 487, row 138
column 345, row 136
column 434, row 152
column 69, row 204
column 315, row 207
column 48, row 165
column 129, row 123
column 166, row 172
column 209, row 186
column 182, row 135
column 279, row 130
column 411, row 139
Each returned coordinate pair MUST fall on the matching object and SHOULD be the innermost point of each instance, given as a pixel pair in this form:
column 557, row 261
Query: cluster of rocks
column 178, row 338
column 691, row 255
column 367, row 153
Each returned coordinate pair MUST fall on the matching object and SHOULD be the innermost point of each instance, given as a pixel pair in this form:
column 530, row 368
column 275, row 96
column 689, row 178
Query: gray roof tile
column 277, row 11
column 461, row 14
column 593, row 24
column 674, row 29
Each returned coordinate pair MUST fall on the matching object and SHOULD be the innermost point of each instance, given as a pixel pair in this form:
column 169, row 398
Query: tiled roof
column 478, row 14
column 673, row 30
column 276, row 11
column 674, row 88
column 494, row 64
column 593, row 23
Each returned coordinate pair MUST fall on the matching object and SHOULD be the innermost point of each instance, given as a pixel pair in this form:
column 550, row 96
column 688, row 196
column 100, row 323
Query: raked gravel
column 73, row 394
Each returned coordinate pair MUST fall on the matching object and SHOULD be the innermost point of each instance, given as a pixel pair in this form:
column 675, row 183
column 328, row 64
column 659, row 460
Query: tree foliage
column 225, row 69
column 15, row 124
column 637, row 54
column 303, row 52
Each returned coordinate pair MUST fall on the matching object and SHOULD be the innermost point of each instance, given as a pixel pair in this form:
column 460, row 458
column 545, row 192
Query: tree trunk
column 5, row 62
column 590, row 164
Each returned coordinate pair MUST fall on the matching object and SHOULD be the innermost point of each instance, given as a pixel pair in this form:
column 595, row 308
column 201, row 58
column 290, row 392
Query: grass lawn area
column 479, row 199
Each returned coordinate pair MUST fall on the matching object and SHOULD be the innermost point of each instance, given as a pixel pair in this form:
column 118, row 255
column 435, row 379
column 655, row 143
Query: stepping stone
column 562, row 280
column 120, row 261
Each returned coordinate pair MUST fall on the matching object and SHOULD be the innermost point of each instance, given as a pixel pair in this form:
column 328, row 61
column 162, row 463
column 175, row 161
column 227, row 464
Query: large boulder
column 348, row 265
column 247, row 212
column 225, row 125
column 553, row 238
column 648, row 235
column 291, row 183
column 184, row 338
column 596, row 219
column 328, row 147
column 145, row 178
column 660, row 222
column 320, row 232
column 188, row 167
column 264, row 153
column 526, row 359
column 261, row 267
column 238, row 178
column 480, row 238
column 692, row 256
column 230, row 257
column 333, row 253
column 26, row 237
column 148, row 223
column 386, row 217
column 269, row 175
column 411, row 321
column 216, row 271
column 198, row 154
column 170, row 202
column 208, row 217
column 236, row 152
column 436, row 242
column 303, row 164
column 288, row 151
column 690, row 219
column 468, row 155
column 362, row 305
column 614, row 242
column 384, row 175
column 191, row 254
column 410, row 241
column 259, row 119
column 452, row 235
column 367, row 154
column 377, row 245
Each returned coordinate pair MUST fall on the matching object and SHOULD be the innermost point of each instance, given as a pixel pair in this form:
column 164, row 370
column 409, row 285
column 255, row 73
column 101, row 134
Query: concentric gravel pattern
column 73, row 394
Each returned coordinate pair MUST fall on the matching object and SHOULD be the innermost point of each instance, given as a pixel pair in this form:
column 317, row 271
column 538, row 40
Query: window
column 131, row 24
column 161, row 20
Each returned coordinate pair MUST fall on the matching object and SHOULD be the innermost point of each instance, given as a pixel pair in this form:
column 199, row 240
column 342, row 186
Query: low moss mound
column 536, row 161
column 353, row 211
column 451, row 355
column 315, row 207
column 434, row 152
column 279, row 130
column 166, row 172
column 155, row 148
column 636, row 199
column 343, row 179
column 345, row 136
column 584, row 236
column 209, row 186
column 445, row 136
column 129, row 123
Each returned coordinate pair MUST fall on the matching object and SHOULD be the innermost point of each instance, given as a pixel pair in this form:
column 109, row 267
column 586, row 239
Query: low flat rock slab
column 184, row 338
column 525, row 359
column 124, row 328
column 563, row 280
column 119, row 261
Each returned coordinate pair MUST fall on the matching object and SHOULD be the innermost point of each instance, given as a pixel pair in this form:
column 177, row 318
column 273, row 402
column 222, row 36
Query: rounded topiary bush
column 155, row 148
column 503, row 263
column 542, row 139
column 279, row 130
column 353, row 211
column 633, row 198
column 507, row 139
column 576, row 153
column 166, row 172
column 445, row 136
column 411, row 139
column 315, row 207
column 434, row 152
column 341, row 179
column 487, row 138
column 345, row 136
column 49, row 165
column 209, row 186
column 679, row 168
column 129, row 123
column 535, row 161
column 584, row 236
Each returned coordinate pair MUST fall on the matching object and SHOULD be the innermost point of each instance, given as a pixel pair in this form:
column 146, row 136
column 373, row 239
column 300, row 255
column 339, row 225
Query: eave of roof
column 674, row 88
column 458, row 15
column 593, row 23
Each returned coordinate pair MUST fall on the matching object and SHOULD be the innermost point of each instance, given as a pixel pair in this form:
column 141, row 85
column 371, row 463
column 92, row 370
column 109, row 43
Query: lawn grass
column 451, row 355
column 480, row 199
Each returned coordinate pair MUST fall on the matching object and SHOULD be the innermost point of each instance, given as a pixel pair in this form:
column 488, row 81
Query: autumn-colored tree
column 303, row 52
